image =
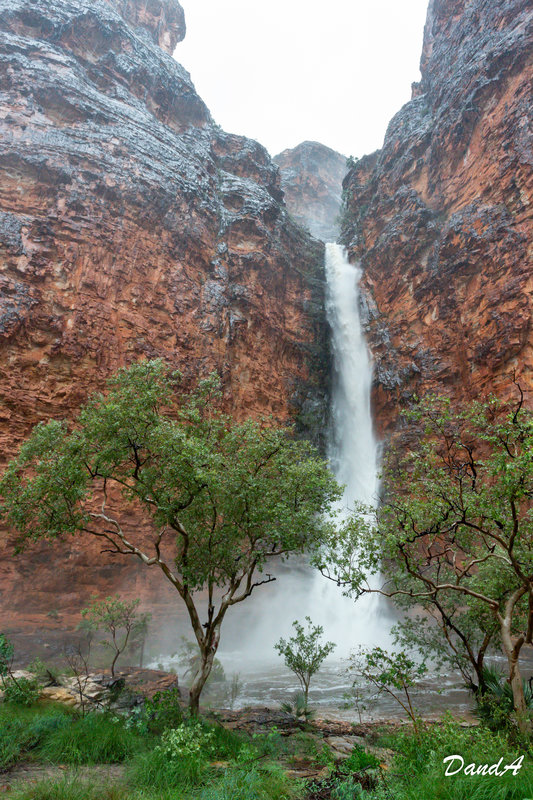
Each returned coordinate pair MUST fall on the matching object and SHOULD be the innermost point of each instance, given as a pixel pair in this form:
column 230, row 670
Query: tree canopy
column 229, row 497
column 454, row 533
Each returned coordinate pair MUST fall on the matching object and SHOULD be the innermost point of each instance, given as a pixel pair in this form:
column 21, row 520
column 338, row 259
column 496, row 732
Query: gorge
column 131, row 227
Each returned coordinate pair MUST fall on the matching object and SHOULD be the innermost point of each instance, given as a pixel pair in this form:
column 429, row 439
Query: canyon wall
column 440, row 217
column 311, row 178
column 132, row 227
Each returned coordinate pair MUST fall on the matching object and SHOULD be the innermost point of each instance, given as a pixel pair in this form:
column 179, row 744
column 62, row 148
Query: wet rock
column 131, row 227
column 440, row 218
column 311, row 178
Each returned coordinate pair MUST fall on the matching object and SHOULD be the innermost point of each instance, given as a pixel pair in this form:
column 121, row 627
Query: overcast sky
column 283, row 71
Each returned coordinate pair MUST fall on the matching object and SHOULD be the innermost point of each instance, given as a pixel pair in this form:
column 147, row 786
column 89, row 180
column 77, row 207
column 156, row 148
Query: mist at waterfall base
column 251, row 629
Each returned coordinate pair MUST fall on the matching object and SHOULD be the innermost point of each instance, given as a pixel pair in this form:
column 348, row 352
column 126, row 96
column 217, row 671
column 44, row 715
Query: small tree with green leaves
column 217, row 500
column 454, row 532
column 304, row 652
column 121, row 621
column 394, row 673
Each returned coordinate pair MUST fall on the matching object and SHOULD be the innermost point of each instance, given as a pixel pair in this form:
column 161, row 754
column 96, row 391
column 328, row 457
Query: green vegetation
column 304, row 653
column 394, row 673
column 454, row 535
column 120, row 620
column 229, row 497
column 454, row 538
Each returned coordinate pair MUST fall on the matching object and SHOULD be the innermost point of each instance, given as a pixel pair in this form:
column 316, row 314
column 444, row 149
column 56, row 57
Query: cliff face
column 131, row 226
column 311, row 178
column 440, row 218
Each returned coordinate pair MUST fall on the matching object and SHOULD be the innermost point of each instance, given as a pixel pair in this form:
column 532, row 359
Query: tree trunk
column 207, row 654
column 512, row 651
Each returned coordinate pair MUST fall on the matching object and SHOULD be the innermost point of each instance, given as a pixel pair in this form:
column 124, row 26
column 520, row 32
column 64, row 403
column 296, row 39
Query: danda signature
column 456, row 764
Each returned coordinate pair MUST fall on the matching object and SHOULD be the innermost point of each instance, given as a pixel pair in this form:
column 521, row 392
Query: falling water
column 353, row 450
column 353, row 454
column 253, row 627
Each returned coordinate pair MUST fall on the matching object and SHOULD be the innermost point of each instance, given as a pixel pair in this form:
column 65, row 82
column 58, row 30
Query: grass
column 97, row 738
column 69, row 788
column 212, row 763
column 22, row 729
column 418, row 770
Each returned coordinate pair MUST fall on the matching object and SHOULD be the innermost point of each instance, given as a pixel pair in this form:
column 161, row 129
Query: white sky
column 283, row 71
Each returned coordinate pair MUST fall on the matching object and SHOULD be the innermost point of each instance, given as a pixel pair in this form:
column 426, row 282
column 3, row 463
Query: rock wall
column 311, row 178
column 440, row 218
column 131, row 226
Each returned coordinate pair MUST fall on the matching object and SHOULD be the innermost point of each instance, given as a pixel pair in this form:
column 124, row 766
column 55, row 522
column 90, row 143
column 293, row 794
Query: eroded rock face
column 311, row 178
column 440, row 218
column 131, row 227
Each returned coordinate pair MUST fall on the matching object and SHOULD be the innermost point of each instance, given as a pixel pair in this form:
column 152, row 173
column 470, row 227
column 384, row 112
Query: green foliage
column 163, row 711
column 188, row 741
column 304, row 652
column 119, row 619
column 420, row 770
column 298, row 707
column 358, row 760
column 92, row 739
column 23, row 691
column 69, row 788
column 6, row 655
column 190, row 659
column 23, row 728
column 494, row 706
column 43, row 671
column 232, row 496
column 395, row 673
column 346, row 790
column 455, row 532
column 267, row 782
column 154, row 770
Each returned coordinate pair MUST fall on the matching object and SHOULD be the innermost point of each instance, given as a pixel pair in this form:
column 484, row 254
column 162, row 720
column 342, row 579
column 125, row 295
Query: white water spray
column 353, row 453
column 353, row 450
column 253, row 627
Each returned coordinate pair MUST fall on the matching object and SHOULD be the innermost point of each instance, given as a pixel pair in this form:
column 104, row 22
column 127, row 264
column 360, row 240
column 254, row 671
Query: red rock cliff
column 131, row 226
column 440, row 218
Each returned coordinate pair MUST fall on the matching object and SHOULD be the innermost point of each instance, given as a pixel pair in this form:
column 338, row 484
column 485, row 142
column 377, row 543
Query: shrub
column 23, row 692
column 190, row 741
column 358, row 760
column 163, row 710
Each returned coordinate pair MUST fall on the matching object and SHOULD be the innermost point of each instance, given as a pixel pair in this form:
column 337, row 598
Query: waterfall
column 353, row 454
column 254, row 626
column 353, row 451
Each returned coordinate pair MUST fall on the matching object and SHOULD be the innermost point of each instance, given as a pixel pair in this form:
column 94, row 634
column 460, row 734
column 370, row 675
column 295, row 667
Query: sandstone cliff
column 440, row 218
column 311, row 178
column 131, row 226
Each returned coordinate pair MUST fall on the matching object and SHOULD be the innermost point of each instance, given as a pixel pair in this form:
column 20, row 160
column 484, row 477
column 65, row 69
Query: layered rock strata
column 440, row 218
column 131, row 227
column 311, row 178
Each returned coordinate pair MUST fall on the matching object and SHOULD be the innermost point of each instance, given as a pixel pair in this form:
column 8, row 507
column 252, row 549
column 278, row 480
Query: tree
column 304, row 653
column 457, row 636
column 456, row 529
column 395, row 673
column 120, row 619
column 217, row 500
